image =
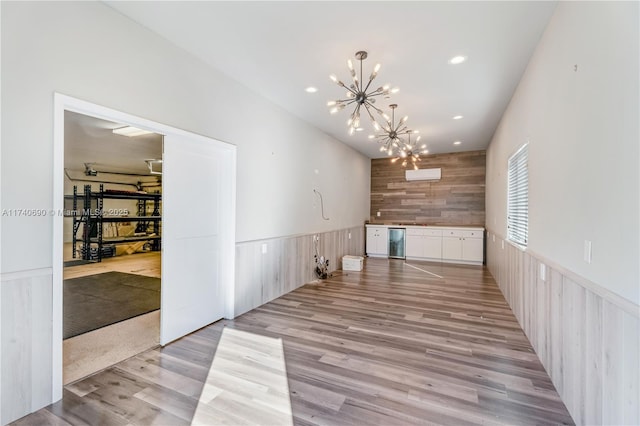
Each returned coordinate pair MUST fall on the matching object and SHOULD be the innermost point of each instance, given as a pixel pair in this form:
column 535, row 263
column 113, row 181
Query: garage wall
column 88, row 51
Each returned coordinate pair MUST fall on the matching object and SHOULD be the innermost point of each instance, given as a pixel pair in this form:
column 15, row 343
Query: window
column 518, row 197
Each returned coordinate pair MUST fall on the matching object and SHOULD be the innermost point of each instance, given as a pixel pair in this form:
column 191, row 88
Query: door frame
column 64, row 103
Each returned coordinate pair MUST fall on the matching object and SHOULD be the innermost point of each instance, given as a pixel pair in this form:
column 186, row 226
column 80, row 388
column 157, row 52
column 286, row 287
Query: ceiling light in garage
column 130, row 131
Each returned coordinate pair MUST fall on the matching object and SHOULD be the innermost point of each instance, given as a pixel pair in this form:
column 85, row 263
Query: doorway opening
column 112, row 243
column 196, row 229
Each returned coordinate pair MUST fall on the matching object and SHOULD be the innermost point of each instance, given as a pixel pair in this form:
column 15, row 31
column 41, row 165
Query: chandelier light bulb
column 333, row 78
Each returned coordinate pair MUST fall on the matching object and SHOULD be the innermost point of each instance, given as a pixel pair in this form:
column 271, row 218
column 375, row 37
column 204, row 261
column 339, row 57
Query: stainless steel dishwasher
column 396, row 243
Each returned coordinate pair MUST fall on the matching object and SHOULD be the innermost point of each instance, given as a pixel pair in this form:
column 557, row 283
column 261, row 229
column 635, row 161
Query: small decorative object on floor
column 322, row 267
column 322, row 264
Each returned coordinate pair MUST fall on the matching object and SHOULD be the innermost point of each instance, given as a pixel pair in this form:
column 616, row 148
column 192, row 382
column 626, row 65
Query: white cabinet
column 377, row 241
column 414, row 244
column 463, row 245
column 435, row 243
column 424, row 243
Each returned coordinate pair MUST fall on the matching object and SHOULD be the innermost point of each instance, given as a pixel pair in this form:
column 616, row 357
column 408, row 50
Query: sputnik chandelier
column 410, row 151
column 391, row 132
column 359, row 93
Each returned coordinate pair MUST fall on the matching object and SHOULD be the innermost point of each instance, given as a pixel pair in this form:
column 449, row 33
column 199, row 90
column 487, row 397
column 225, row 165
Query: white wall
column 89, row 51
column 582, row 128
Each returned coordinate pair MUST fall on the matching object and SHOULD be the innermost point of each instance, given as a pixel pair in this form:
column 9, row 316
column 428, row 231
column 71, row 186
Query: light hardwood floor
column 391, row 345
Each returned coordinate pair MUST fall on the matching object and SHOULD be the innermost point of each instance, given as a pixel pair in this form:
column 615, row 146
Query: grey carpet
column 96, row 301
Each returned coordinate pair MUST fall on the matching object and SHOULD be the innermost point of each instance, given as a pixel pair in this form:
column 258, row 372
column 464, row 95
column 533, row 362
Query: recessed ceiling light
column 457, row 143
column 458, row 117
column 457, row 60
column 311, row 89
column 130, row 131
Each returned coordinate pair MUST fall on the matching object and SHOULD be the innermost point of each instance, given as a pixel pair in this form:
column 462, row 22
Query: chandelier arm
column 351, row 90
column 371, row 105
column 369, row 84
column 347, row 101
column 371, row 115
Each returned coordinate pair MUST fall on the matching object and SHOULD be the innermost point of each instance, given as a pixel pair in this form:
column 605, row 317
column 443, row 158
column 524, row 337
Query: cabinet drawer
column 472, row 234
column 452, row 233
column 433, row 232
column 415, row 231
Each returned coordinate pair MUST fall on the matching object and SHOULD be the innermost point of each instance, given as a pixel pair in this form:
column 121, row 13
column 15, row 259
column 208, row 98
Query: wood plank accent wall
column 287, row 264
column 587, row 338
column 456, row 199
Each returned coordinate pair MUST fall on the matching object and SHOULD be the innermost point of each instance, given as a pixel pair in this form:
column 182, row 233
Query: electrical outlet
column 349, row 235
column 378, row 214
column 543, row 272
column 264, row 248
column 587, row 251
column 494, row 237
column 502, row 244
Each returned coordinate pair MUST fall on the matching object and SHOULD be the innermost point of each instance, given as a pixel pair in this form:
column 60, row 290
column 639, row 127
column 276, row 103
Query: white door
column 197, row 261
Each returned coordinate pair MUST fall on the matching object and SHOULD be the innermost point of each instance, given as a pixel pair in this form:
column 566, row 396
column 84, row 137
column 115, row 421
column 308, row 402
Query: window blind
column 518, row 197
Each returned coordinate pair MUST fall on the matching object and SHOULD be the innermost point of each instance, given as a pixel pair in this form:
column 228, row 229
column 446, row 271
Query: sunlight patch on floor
column 247, row 382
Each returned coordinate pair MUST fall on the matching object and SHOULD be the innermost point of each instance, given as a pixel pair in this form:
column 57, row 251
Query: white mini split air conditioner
column 423, row 174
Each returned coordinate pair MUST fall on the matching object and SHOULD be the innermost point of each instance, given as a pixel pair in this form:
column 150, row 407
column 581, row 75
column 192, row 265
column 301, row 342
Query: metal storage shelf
column 129, row 218
column 92, row 218
column 116, row 240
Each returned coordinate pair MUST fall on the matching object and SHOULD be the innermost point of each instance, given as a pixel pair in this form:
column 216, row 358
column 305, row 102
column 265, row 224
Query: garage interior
column 112, row 243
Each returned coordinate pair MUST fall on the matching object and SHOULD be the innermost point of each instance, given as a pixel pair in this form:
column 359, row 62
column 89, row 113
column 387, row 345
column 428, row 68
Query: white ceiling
column 279, row 48
column 91, row 140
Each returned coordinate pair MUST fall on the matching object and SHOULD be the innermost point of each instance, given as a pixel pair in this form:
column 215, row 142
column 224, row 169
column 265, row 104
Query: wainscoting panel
column 26, row 343
column 267, row 269
column 586, row 337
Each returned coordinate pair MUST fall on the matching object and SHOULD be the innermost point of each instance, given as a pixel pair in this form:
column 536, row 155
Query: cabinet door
column 371, row 240
column 414, row 246
column 383, row 241
column 432, row 247
column 451, row 248
column 472, row 249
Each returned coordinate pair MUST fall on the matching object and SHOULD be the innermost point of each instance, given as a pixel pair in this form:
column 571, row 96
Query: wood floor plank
column 390, row 345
